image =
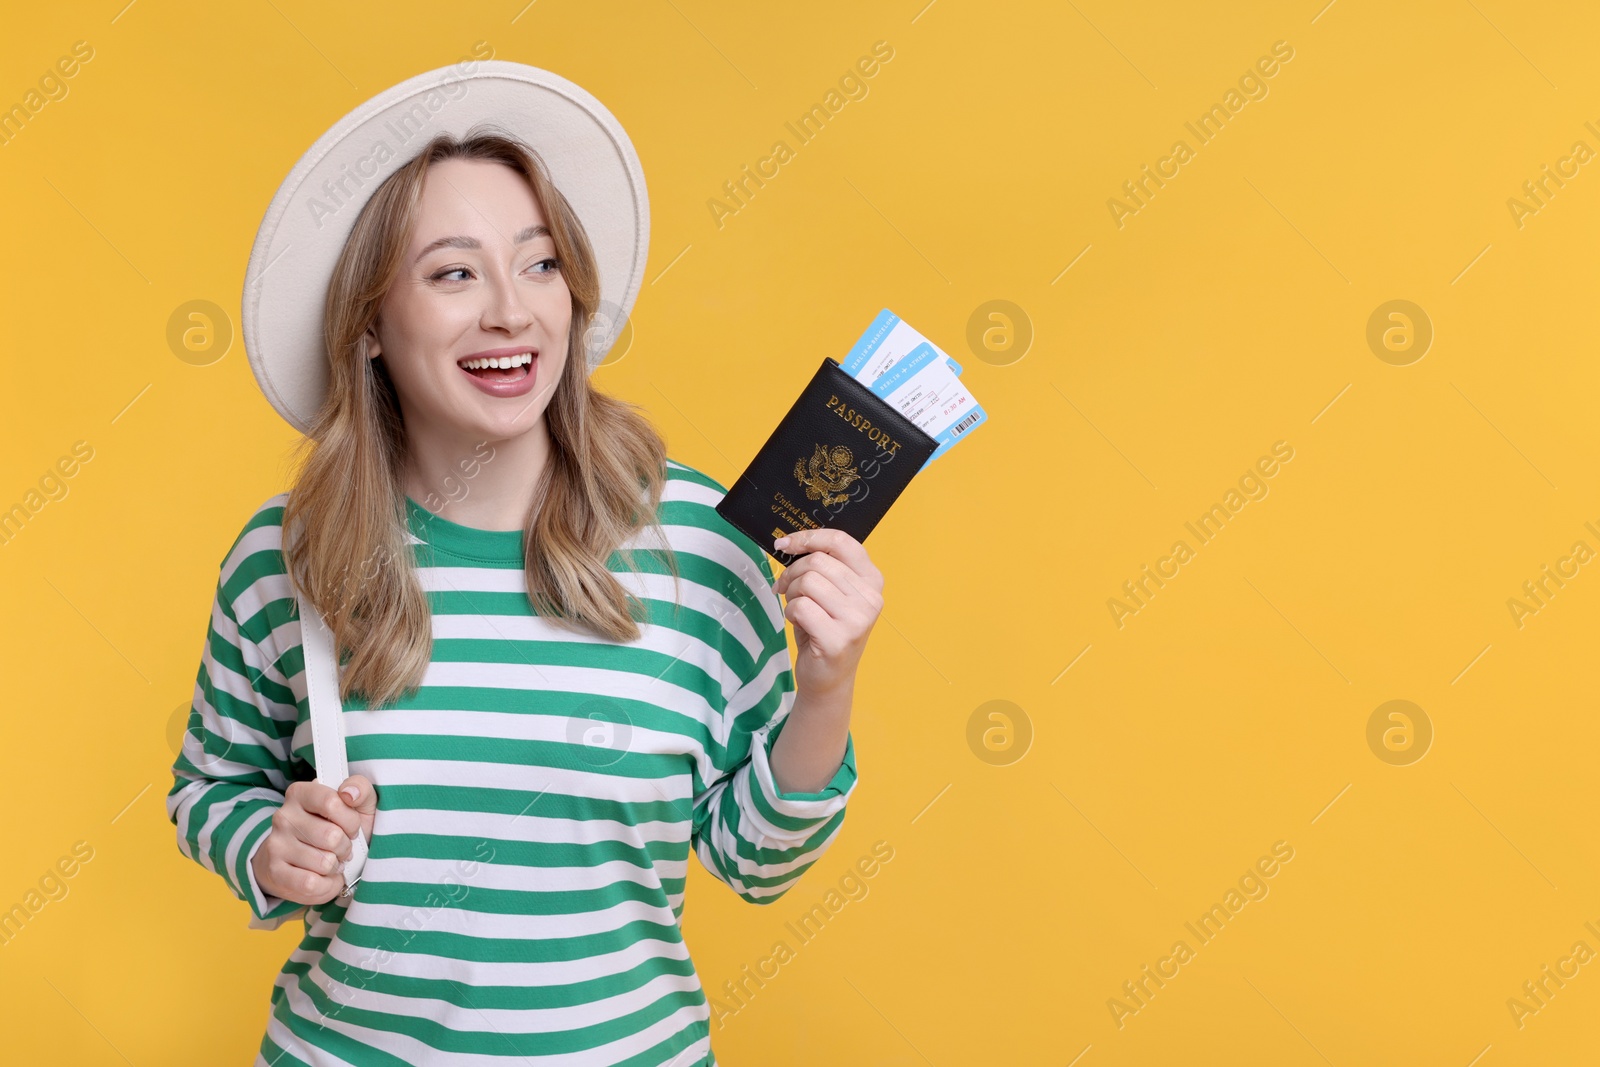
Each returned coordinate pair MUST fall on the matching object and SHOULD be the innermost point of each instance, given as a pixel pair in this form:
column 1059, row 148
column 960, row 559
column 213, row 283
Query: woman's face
column 479, row 280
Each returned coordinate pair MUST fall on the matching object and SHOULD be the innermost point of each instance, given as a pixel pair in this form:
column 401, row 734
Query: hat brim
column 587, row 155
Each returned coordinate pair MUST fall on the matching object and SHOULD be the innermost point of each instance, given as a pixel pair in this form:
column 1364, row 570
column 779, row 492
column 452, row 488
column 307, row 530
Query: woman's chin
column 497, row 420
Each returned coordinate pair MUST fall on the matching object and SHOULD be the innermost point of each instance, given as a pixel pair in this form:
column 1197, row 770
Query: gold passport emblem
column 827, row 474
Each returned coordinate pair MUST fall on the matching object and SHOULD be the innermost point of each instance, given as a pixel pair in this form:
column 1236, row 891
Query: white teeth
column 503, row 362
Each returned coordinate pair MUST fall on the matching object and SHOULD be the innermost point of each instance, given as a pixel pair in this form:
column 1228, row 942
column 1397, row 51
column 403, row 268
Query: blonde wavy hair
column 345, row 519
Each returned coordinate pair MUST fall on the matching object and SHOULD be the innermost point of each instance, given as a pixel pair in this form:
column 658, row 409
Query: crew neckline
column 468, row 542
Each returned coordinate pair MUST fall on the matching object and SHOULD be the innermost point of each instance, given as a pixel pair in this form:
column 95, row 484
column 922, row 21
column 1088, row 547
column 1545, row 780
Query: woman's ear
column 371, row 344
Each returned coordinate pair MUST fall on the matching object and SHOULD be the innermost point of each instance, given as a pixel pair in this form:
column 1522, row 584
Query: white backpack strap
column 327, row 720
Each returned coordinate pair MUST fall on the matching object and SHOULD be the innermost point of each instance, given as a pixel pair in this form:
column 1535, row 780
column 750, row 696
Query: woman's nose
column 505, row 308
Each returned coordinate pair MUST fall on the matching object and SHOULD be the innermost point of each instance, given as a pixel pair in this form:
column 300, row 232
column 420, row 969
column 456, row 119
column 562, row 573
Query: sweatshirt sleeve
column 236, row 759
column 747, row 832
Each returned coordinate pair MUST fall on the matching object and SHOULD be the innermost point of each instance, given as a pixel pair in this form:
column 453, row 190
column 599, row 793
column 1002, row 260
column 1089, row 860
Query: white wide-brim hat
column 586, row 154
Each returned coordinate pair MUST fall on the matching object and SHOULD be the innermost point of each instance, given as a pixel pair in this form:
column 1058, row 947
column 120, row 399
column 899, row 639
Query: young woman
column 562, row 671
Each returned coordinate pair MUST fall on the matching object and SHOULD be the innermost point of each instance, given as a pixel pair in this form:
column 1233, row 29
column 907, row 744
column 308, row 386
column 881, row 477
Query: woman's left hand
column 834, row 595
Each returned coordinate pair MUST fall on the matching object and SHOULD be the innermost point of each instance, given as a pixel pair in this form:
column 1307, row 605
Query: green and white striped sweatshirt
column 538, row 798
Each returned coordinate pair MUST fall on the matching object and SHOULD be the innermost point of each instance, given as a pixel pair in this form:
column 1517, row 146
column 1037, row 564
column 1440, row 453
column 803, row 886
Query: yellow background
column 1230, row 313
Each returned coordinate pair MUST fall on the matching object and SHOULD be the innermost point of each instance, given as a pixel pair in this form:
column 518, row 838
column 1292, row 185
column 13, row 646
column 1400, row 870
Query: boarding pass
column 916, row 378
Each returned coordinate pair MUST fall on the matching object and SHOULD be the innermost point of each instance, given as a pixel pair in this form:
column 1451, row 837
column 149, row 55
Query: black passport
column 838, row 459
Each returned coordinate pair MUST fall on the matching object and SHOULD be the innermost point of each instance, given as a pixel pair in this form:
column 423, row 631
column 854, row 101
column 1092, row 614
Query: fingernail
column 782, row 542
column 352, row 793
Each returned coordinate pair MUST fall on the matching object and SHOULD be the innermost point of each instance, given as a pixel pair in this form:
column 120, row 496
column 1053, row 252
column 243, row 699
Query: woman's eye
column 549, row 264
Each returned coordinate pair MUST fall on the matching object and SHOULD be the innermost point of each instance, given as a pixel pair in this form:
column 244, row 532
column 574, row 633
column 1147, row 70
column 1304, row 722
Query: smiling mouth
column 501, row 369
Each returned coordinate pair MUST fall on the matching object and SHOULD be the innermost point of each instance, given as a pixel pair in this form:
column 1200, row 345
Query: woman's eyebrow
column 527, row 233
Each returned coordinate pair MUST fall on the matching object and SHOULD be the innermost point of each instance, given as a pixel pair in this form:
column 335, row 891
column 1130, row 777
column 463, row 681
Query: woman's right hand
column 310, row 838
